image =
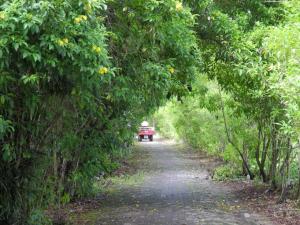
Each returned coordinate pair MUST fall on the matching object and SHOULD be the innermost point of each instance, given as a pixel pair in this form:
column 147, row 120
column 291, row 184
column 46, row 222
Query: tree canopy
column 78, row 76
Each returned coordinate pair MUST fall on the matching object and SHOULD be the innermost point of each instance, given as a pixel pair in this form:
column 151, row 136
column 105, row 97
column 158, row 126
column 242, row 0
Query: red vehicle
column 146, row 132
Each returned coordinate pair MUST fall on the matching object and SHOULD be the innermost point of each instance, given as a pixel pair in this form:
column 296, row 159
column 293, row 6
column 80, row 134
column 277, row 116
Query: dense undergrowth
column 78, row 76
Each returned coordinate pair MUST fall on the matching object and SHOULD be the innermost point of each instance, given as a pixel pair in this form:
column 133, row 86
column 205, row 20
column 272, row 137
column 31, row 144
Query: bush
column 227, row 172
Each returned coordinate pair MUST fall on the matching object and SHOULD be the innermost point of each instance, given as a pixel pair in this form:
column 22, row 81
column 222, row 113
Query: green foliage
column 76, row 78
column 48, row 69
column 165, row 121
column 227, row 172
column 250, row 53
column 37, row 217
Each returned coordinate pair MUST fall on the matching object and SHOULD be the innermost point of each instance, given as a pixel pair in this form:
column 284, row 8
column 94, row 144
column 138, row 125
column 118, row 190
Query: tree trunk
column 274, row 160
column 298, row 191
column 266, row 146
column 245, row 163
column 285, row 173
column 245, row 153
column 261, row 159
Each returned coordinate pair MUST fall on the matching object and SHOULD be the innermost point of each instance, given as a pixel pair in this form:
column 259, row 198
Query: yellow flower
column 96, row 49
column 103, row 70
column 65, row 40
column 77, row 20
column 179, row 6
column 60, row 42
column 171, row 70
column 2, row 15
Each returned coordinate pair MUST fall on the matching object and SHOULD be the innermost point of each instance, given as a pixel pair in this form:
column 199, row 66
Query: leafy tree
column 249, row 49
column 76, row 79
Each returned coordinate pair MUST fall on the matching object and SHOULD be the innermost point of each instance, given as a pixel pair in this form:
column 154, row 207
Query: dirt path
column 175, row 191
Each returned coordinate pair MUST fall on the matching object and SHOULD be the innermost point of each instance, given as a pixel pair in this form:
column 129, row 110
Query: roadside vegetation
column 76, row 79
column 78, row 76
column 244, row 105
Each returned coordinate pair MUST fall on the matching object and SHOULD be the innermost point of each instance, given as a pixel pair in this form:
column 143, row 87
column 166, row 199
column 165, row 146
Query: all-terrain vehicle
column 146, row 132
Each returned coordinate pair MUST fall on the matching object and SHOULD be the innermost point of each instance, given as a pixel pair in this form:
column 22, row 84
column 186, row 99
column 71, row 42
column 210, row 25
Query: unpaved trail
column 175, row 191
